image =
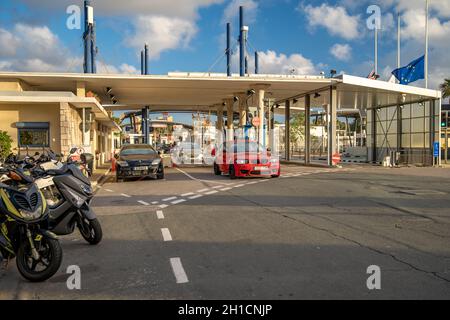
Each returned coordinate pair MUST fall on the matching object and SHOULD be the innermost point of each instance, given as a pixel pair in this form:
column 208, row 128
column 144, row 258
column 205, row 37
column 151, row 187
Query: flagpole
column 376, row 51
column 426, row 43
column 399, row 31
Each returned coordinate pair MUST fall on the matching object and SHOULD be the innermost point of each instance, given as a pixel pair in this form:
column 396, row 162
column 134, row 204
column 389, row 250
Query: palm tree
column 445, row 87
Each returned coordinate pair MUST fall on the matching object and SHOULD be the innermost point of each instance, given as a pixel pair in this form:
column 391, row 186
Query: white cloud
column 8, row 43
column 335, row 19
column 162, row 33
column 272, row 62
column 231, row 12
column 122, row 69
column 341, row 52
column 414, row 27
column 38, row 49
column 172, row 8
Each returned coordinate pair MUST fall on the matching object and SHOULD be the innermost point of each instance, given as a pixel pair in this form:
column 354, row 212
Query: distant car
column 139, row 161
column 245, row 158
column 187, row 153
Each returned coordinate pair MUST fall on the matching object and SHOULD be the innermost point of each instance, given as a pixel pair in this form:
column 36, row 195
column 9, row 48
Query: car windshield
column 138, row 151
column 247, row 147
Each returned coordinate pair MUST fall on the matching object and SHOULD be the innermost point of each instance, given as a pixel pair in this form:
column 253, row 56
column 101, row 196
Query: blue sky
column 305, row 36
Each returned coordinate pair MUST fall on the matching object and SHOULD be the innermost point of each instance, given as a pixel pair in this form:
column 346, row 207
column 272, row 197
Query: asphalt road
column 311, row 234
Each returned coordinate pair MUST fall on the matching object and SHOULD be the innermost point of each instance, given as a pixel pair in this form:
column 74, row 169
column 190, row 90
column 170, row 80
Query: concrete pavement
column 311, row 234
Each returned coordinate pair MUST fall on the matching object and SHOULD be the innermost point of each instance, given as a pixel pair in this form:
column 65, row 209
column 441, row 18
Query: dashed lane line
column 163, row 206
column 160, row 215
column 166, row 235
column 169, row 199
column 178, row 271
column 179, row 201
column 196, row 197
column 125, row 195
column 187, row 194
column 211, row 192
column 144, row 203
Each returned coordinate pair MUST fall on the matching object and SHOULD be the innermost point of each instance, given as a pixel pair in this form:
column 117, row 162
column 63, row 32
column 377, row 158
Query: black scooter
column 69, row 194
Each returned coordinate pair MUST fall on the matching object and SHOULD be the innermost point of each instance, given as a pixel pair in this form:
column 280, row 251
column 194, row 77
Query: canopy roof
column 204, row 91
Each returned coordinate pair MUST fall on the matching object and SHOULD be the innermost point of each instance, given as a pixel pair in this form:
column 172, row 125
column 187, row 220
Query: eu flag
column 412, row 72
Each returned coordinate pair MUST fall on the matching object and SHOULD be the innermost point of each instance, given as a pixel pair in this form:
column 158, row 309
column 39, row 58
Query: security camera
column 251, row 92
column 236, row 99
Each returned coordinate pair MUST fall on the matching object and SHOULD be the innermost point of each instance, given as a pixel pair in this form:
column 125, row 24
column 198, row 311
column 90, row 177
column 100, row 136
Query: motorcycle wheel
column 91, row 231
column 51, row 255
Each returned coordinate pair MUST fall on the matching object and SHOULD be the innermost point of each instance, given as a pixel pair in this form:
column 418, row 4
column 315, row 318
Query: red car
column 245, row 159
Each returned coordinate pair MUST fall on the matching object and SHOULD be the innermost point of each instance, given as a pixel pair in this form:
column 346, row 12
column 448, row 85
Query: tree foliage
column 5, row 144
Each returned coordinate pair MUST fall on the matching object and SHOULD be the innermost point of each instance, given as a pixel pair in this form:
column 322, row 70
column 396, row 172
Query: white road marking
column 203, row 190
column 109, row 190
column 238, row 186
column 217, row 187
column 187, row 174
column 163, row 206
column 188, row 194
column 179, row 201
column 155, row 202
column 254, row 182
column 160, row 215
column 125, row 195
column 144, row 203
column 196, row 197
column 200, row 180
column 211, row 192
column 169, row 199
column 178, row 271
column 166, row 235
column 226, row 189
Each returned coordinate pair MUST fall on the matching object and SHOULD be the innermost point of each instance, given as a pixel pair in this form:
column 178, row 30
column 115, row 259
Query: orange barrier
column 113, row 164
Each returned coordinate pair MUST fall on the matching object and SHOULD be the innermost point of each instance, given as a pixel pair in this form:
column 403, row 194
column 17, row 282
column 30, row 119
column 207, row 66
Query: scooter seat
column 58, row 172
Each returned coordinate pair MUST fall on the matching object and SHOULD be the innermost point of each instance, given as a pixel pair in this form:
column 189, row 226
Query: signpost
column 436, row 152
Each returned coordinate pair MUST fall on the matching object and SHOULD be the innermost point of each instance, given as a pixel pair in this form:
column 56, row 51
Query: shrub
column 5, row 144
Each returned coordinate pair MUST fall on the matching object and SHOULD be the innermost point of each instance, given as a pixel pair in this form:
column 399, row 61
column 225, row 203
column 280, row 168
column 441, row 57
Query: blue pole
column 256, row 62
column 147, row 71
column 229, row 49
column 142, row 62
column 242, row 42
column 93, row 50
column 87, row 40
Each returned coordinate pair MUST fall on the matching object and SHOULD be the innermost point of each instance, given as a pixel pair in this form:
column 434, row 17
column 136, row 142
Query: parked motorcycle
column 69, row 194
column 23, row 215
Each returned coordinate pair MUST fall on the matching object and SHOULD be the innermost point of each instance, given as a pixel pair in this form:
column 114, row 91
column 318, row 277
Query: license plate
column 261, row 168
column 140, row 168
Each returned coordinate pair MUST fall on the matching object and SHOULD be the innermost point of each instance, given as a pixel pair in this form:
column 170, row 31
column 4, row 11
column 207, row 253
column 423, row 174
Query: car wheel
column 232, row 172
column 118, row 178
column 160, row 174
column 217, row 171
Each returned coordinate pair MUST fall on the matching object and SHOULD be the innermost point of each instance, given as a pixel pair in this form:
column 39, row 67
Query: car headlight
column 241, row 161
column 123, row 163
column 156, row 162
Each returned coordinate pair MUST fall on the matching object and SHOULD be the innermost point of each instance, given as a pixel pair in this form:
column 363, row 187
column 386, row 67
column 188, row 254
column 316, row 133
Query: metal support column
column 433, row 130
column 230, row 117
column 287, row 121
column 332, row 119
column 307, row 129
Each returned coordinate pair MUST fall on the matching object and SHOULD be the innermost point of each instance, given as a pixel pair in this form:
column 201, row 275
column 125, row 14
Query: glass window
column 34, row 137
column 418, row 140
